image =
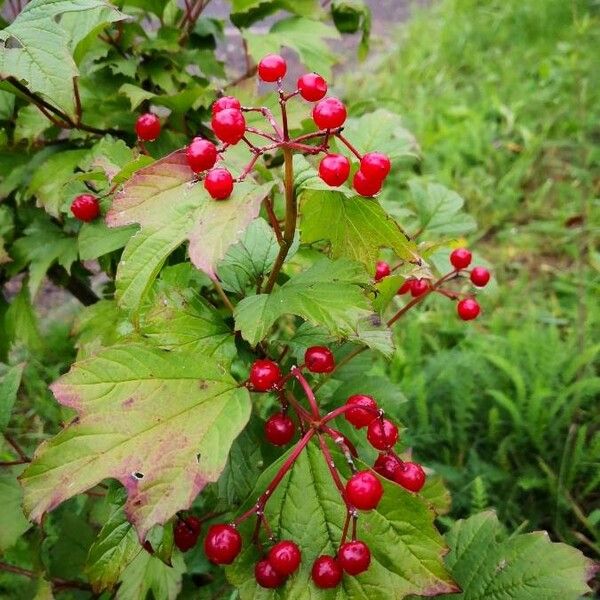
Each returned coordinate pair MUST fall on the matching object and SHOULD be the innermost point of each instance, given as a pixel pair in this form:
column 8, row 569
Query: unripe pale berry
column 480, row 276
column 364, row 490
column 382, row 434
column 326, row 572
column 85, row 207
column 329, row 113
column 147, row 127
column 334, row 169
column 357, row 415
column 219, row 183
column 279, row 429
column 312, row 87
column 264, row 375
column 222, row 544
column 201, row 155
column 354, row 557
column 410, row 476
column 468, row 309
column 382, row 269
column 418, row 287
column 375, row 165
column 272, row 67
column 285, row 557
column 319, row 359
column 366, row 186
column 266, row 576
column 460, row 258
column 387, row 466
column 229, row 125
column 225, row 102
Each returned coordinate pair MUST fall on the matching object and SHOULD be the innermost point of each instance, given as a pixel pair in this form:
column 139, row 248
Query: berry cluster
column 467, row 307
column 362, row 491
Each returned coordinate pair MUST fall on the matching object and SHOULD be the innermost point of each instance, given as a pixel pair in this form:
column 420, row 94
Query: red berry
column 266, row 576
column 219, row 183
column 279, row 429
column 405, row 287
column 272, row 67
column 225, row 102
column 326, row 572
column 354, row 557
column 229, row 125
column 382, row 269
column 264, row 375
column 418, row 287
column 285, row 557
column 387, row 466
column 319, row 359
column 147, row 127
column 382, row 434
column 468, row 309
column 329, row 113
column 222, row 544
column 480, row 276
column 186, row 532
column 312, row 87
column 364, row 490
column 460, row 258
column 359, row 417
column 201, row 155
column 85, row 207
column 366, row 186
column 334, row 169
column 410, row 476
column 375, row 165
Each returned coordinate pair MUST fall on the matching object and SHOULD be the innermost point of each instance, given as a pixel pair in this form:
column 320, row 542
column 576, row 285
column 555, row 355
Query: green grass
column 504, row 98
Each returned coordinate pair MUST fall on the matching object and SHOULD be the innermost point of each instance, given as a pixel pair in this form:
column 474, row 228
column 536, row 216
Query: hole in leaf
column 198, row 457
column 138, row 475
column 12, row 42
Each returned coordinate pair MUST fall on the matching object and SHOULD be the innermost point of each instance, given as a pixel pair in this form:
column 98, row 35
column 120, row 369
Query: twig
column 17, row 448
column 59, row 276
column 274, row 222
column 77, row 101
column 57, row 584
column 223, row 296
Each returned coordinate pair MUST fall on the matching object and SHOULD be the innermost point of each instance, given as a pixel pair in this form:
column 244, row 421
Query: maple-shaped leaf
column 170, row 206
column 160, row 422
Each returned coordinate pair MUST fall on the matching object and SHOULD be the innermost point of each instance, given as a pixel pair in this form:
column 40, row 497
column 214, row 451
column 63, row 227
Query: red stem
column 349, row 145
column 307, row 390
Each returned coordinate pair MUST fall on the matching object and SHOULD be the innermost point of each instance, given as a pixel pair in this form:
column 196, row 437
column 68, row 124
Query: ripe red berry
column 147, row 127
column 364, row 490
column 468, row 309
column 272, row 67
column 279, row 429
column 219, row 183
column 334, row 169
column 266, row 576
column 366, row 186
column 410, row 476
column 460, row 258
column 319, row 359
column 225, row 102
column 387, row 466
column 405, row 287
column 359, row 417
column 201, row 155
column 480, row 276
column 382, row 434
column 326, row 572
column 312, row 87
column 186, row 532
column 354, row 557
column 382, row 269
column 285, row 557
column 264, row 375
column 375, row 165
column 229, row 125
column 418, row 287
column 329, row 113
column 222, row 544
column 85, row 207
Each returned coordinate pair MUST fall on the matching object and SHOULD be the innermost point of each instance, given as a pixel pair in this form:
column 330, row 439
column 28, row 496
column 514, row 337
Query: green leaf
column 178, row 416
column 328, row 294
column 306, row 507
column 9, row 386
column 305, row 36
column 13, row 523
column 21, row 322
column 437, row 494
column 387, row 288
column 36, row 49
column 96, row 239
column 246, row 12
column 351, row 15
column 488, row 564
column 30, row 124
